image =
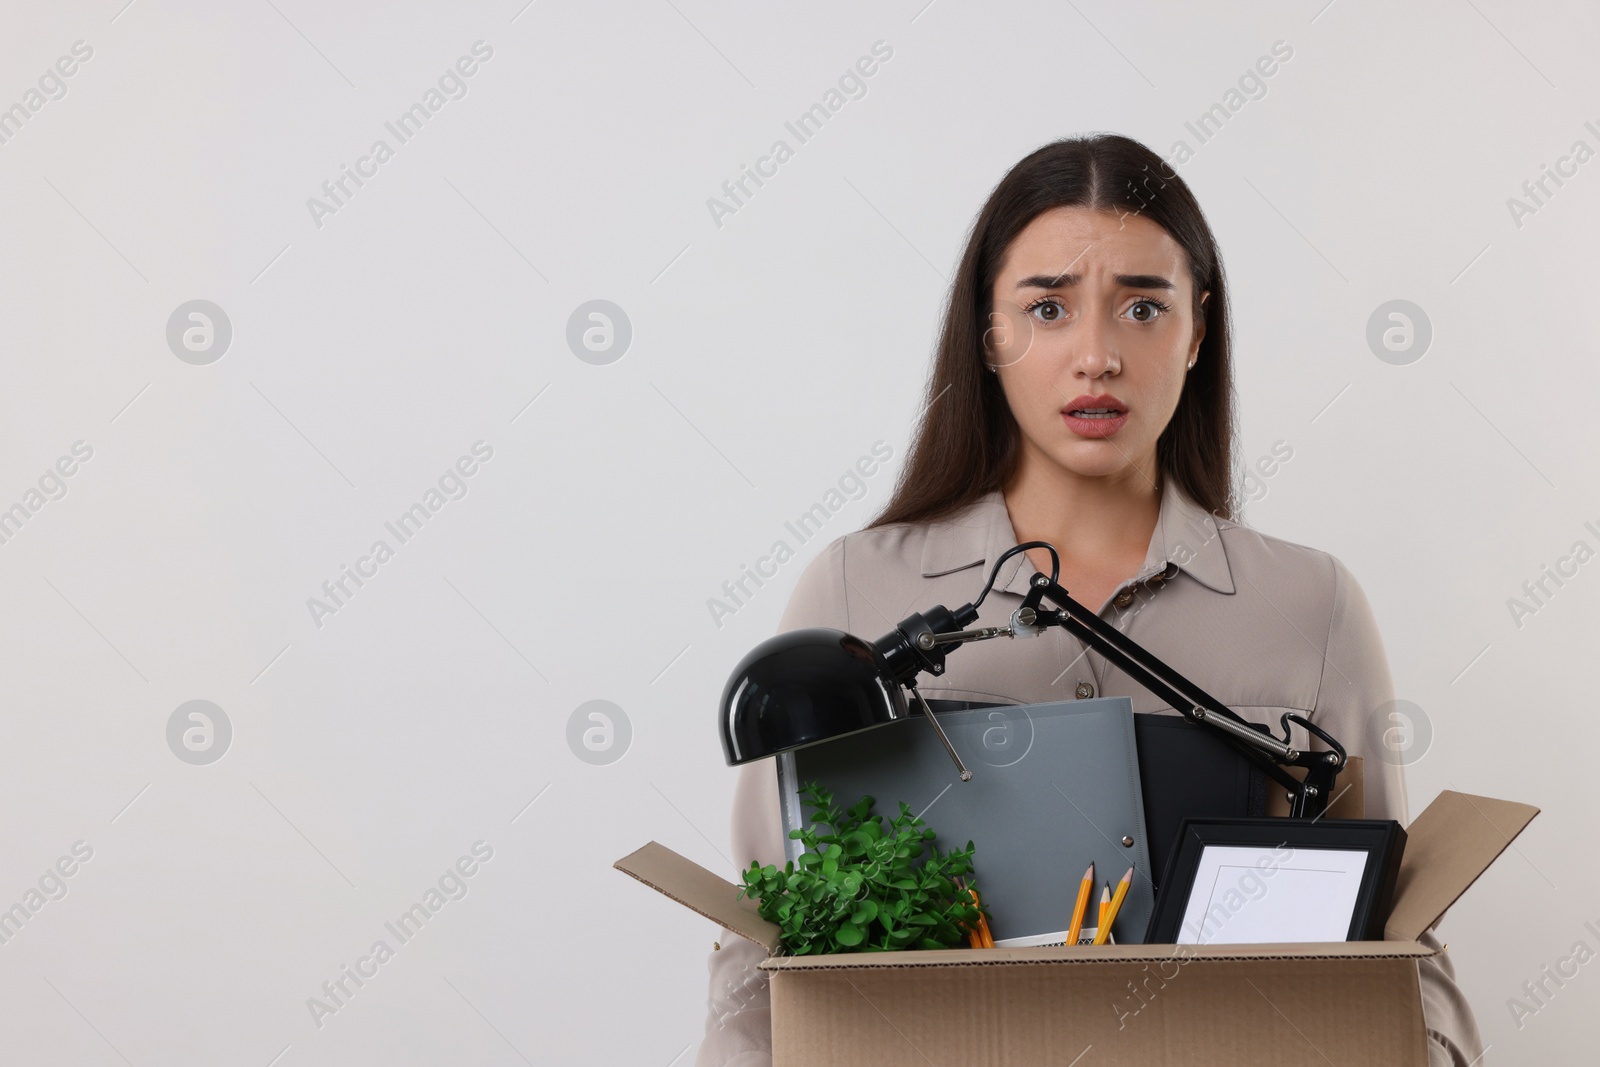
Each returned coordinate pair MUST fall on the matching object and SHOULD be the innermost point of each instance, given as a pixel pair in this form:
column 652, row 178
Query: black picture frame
column 1382, row 839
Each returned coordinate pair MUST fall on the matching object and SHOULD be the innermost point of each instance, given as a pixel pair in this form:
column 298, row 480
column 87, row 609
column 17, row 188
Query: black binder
column 1190, row 772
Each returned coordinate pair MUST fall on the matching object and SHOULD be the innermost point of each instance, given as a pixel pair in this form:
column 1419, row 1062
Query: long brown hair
column 966, row 444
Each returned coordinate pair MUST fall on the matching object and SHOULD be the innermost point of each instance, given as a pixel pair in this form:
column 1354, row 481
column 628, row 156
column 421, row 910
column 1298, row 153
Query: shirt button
column 1124, row 598
column 1084, row 691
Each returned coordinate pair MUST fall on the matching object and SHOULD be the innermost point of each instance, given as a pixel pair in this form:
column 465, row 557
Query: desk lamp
column 818, row 684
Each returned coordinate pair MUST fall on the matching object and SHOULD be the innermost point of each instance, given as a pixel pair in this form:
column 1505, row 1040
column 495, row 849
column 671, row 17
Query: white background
column 768, row 353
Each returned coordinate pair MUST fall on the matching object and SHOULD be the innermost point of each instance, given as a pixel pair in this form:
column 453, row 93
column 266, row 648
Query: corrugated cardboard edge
column 1220, row 1013
column 1100, row 954
column 1448, row 847
column 700, row 890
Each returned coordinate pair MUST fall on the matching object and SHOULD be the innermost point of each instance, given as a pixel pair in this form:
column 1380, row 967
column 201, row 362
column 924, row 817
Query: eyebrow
column 1131, row 281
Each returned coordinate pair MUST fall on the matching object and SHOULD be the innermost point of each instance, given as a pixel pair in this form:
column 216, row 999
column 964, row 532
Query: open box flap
column 1447, row 847
column 698, row 889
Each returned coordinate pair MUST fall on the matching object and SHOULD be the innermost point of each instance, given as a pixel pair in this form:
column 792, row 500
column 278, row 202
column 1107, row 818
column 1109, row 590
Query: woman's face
column 1092, row 333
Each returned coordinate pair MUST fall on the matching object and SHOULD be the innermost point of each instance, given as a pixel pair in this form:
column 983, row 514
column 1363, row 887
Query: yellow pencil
column 1105, row 905
column 974, row 935
column 1111, row 909
column 978, row 932
column 983, row 923
column 1084, row 889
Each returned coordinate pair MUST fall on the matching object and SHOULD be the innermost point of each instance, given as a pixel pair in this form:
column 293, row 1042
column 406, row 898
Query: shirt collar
column 1186, row 537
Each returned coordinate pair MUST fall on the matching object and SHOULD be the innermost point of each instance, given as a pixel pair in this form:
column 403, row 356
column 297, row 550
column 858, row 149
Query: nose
column 1093, row 351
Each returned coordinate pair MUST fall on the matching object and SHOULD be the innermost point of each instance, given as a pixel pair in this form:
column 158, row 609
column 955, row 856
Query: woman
column 1082, row 395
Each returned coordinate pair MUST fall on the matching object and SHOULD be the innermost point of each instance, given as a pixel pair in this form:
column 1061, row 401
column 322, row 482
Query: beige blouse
column 1263, row 625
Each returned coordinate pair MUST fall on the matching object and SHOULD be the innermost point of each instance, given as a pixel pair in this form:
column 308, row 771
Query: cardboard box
column 1356, row 1002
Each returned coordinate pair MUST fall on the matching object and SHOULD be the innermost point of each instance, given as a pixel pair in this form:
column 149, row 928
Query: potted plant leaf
column 862, row 885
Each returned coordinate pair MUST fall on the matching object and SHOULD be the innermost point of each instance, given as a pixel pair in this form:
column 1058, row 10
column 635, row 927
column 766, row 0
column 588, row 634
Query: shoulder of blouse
column 896, row 554
column 848, row 567
column 1275, row 597
column 1263, row 555
column 1317, row 579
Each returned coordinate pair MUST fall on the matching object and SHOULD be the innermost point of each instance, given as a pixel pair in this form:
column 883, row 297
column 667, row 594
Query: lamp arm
column 944, row 738
column 921, row 641
column 1308, row 799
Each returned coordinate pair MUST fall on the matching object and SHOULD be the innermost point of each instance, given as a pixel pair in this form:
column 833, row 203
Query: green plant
column 860, row 887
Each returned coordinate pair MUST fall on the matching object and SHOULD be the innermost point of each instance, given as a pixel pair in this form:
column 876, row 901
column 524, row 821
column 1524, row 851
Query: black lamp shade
column 802, row 687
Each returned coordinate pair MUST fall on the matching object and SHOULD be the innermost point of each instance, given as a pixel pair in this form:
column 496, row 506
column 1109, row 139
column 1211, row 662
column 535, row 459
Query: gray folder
column 1054, row 787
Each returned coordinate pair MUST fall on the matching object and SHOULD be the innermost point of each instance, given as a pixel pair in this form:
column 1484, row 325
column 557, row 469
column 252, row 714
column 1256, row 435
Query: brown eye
column 1047, row 310
column 1146, row 310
